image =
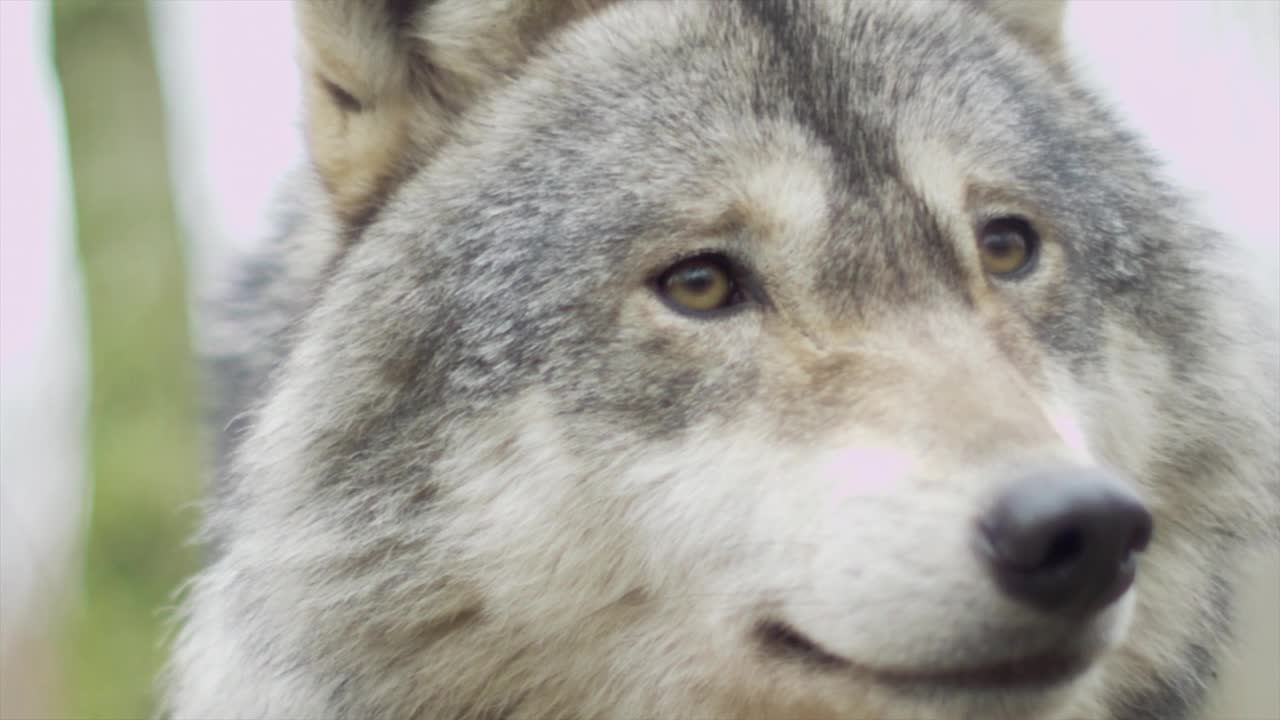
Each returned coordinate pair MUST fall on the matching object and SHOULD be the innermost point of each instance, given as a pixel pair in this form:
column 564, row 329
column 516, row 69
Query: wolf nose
column 1064, row 541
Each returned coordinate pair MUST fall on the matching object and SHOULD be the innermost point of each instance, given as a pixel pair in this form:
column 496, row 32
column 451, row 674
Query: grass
column 144, row 454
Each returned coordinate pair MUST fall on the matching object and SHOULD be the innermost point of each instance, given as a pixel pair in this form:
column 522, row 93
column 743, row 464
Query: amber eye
column 699, row 284
column 1008, row 246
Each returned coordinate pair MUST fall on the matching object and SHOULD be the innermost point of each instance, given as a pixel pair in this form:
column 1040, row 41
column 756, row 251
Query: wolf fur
column 475, row 468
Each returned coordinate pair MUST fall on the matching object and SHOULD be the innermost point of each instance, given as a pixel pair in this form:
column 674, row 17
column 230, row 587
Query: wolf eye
column 700, row 284
column 1009, row 246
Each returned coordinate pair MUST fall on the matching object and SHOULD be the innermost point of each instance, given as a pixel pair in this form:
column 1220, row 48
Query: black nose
column 1064, row 541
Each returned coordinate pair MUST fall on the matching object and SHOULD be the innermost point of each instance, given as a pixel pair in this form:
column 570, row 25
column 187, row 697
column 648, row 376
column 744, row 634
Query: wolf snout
column 1064, row 541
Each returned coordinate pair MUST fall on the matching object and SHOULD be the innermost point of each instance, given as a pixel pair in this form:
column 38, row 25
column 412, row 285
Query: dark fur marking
column 343, row 99
column 827, row 109
column 361, row 219
column 416, row 643
column 782, row 641
column 433, row 633
column 865, row 153
column 402, row 11
column 1180, row 694
column 1172, row 697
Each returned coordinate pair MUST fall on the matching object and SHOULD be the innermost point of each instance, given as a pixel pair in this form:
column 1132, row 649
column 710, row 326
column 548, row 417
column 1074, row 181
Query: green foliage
column 144, row 450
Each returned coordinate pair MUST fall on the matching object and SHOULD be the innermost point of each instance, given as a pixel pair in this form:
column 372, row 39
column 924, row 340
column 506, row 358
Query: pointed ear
column 1037, row 23
column 385, row 79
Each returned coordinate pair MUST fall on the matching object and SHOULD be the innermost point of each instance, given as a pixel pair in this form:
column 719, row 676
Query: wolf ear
column 385, row 79
column 1037, row 23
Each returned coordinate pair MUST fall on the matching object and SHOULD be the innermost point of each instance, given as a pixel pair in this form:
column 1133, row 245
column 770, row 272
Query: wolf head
column 728, row 359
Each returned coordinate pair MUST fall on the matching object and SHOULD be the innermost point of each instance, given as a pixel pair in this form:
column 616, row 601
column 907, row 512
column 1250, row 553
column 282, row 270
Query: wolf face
column 724, row 359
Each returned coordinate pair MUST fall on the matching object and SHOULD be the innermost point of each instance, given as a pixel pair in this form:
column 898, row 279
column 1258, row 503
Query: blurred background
column 140, row 143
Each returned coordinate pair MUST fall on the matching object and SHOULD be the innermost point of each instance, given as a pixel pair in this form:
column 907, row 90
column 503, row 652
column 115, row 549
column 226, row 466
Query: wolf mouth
column 1030, row 672
column 1041, row 671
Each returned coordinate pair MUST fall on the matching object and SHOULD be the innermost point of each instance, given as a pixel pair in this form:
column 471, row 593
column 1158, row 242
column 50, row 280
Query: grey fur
column 459, row 418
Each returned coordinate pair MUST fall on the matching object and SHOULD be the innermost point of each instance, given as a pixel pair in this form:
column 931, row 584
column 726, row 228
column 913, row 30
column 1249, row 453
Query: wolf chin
column 737, row 359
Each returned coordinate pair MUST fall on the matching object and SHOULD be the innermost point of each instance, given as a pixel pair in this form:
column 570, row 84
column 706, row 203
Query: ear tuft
column 387, row 79
column 1037, row 23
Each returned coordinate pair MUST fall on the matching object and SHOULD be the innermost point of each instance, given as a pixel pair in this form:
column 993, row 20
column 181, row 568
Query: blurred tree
column 143, row 459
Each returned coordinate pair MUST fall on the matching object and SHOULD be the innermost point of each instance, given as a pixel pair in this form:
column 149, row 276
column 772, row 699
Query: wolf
column 735, row 359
